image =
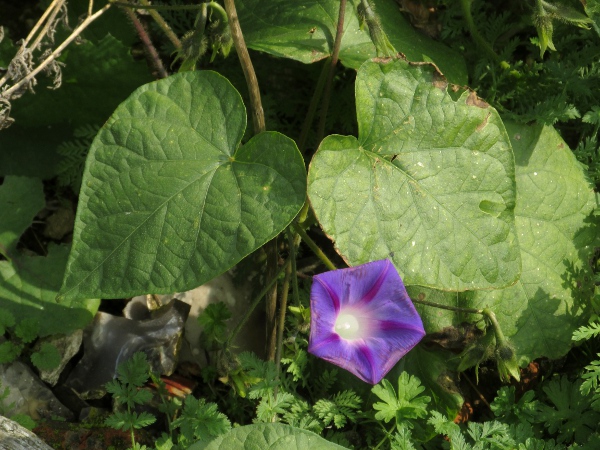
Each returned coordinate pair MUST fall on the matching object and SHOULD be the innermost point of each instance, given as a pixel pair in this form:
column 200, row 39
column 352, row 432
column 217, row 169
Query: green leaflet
column 429, row 182
column 28, row 284
column 304, row 30
column 170, row 200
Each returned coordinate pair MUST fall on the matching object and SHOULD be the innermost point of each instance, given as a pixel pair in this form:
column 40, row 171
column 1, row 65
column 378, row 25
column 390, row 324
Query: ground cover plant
column 412, row 183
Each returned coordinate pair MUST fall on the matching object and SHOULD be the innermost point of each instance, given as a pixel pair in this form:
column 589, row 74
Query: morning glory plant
column 362, row 319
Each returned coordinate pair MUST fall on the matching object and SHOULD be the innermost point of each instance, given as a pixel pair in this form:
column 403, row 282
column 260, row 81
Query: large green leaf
column 170, row 200
column 21, row 199
column 556, row 236
column 271, row 436
column 429, row 182
column 304, row 30
column 28, row 284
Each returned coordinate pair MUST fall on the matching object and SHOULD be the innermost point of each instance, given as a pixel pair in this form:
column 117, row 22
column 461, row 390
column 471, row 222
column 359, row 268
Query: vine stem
column 312, row 107
column 155, row 7
column 258, row 116
column 255, row 303
column 451, row 308
column 76, row 32
column 333, row 62
column 477, row 37
column 313, row 246
column 150, row 49
column 163, row 25
column 282, row 311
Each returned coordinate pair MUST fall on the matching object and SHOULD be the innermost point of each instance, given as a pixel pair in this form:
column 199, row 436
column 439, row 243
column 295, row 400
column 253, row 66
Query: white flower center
column 347, row 326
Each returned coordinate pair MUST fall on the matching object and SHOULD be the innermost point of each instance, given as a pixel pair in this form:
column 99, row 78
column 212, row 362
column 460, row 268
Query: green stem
column 313, row 246
column 450, row 308
column 163, row 25
column 155, row 7
column 220, row 10
column 256, row 109
column 281, row 319
column 292, row 244
column 312, row 108
column 148, row 46
column 477, row 37
column 255, row 303
column 333, row 62
column 501, row 340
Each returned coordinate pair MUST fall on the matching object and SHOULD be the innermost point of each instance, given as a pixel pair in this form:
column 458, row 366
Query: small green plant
column 188, row 422
column 6, row 410
column 127, row 391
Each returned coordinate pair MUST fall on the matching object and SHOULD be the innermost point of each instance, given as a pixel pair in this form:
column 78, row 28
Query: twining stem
column 477, row 37
column 450, row 308
column 76, row 32
column 155, row 7
column 313, row 246
column 163, row 25
column 255, row 303
column 148, row 46
column 282, row 310
column 333, row 62
column 312, row 107
column 256, row 109
column 292, row 244
column 500, row 339
column 488, row 313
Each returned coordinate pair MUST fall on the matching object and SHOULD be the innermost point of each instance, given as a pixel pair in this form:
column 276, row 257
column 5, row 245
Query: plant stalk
column 477, row 37
column 148, row 46
column 256, row 109
column 333, row 63
column 450, row 308
column 163, row 25
column 255, row 303
column 313, row 246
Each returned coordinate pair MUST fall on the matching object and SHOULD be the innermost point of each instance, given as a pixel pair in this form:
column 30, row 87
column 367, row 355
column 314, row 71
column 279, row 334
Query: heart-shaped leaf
column 556, row 239
column 541, row 311
column 268, row 436
column 304, row 30
column 429, row 182
column 169, row 199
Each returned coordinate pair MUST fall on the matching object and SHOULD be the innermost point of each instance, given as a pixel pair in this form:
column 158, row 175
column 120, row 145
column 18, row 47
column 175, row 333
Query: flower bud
column 507, row 362
column 477, row 353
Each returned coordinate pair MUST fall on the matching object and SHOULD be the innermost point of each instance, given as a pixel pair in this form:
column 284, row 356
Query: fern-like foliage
column 343, row 407
column 74, row 153
column 586, row 332
column 590, row 377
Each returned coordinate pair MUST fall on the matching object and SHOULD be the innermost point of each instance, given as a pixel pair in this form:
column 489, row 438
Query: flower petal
column 373, row 296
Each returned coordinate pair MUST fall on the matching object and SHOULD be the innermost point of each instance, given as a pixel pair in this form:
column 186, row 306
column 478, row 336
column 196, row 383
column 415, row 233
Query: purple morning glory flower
column 362, row 319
